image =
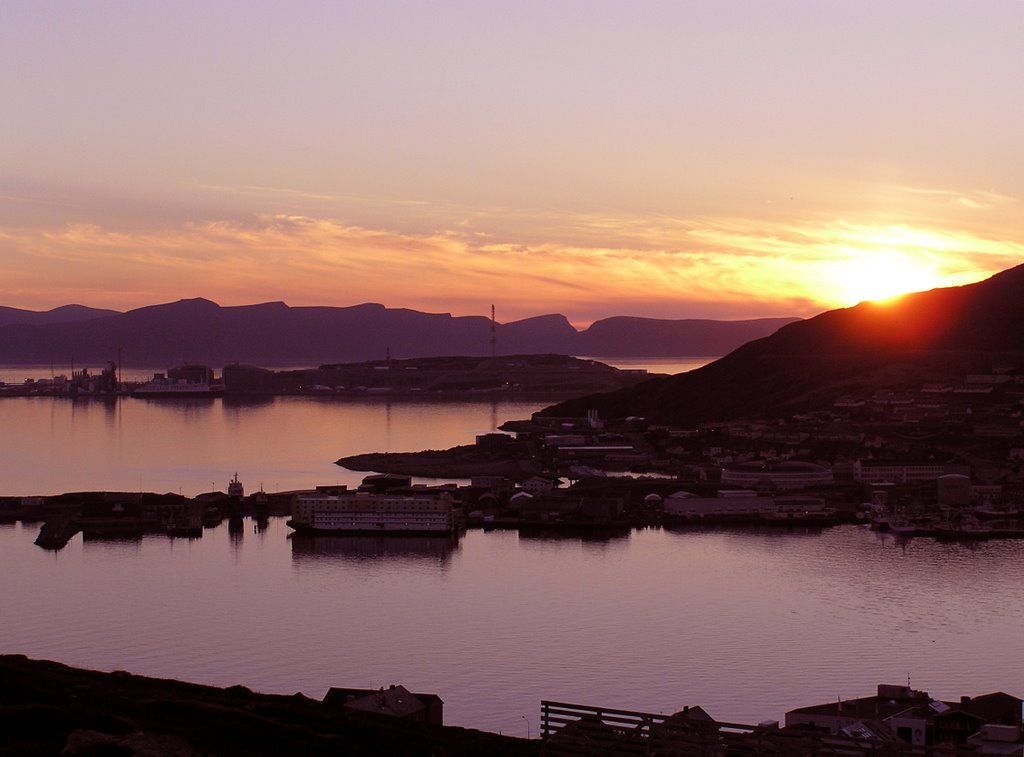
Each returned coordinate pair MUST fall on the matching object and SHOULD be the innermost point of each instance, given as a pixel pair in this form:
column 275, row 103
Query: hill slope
column 942, row 333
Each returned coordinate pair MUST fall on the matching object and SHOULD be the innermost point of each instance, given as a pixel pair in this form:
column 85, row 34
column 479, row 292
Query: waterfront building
column 915, row 717
column 394, row 701
column 788, row 474
column 892, row 472
column 539, row 485
column 954, row 490
column 190, row 373
column 360, row 511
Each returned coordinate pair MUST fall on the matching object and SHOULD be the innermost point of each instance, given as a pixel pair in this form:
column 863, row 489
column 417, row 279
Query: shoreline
column 464, row 461
column 49, row 707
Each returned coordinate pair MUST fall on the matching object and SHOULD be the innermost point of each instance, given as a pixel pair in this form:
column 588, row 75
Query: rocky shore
column 51, row 709
column 464, row 461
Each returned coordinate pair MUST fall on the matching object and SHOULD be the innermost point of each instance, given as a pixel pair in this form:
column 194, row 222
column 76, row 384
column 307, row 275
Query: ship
column 158, row 389
column 186, row 380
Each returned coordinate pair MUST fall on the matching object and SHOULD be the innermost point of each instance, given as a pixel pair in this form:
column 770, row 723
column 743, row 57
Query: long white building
column 886, row 472
column 787, row 474
column 363, row 512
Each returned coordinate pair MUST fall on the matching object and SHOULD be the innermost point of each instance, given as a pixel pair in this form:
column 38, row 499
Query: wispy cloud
column 653, row 265
column 975, row 199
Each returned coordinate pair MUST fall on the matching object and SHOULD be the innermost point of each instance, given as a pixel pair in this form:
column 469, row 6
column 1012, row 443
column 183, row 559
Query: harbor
column 856, row 603
column 553, row 376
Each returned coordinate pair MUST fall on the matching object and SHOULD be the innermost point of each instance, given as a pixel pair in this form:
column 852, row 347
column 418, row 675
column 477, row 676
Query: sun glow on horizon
column 640, row 265
column 881, row 276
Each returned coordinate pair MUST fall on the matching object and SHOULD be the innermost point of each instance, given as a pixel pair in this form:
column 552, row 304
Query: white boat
column 188, row 380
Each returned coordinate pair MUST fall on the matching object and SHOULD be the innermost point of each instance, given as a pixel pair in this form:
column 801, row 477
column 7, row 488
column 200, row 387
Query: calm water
column 745, row 624
column 53, row 445
column 16, row 374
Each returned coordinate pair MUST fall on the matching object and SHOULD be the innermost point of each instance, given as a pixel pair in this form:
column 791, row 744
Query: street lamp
column 527, row 725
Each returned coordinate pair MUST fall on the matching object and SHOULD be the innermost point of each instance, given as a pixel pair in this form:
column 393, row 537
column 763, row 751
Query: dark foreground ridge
column 51, row 709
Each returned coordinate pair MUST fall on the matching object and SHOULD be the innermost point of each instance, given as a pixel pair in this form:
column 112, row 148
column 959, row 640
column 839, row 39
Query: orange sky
column 675, row 160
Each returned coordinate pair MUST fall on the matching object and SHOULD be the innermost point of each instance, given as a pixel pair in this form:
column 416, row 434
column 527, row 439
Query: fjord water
column 747, row 624
column 54, row 445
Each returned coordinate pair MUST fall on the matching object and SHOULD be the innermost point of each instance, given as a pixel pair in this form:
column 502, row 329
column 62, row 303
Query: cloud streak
column 654, row 266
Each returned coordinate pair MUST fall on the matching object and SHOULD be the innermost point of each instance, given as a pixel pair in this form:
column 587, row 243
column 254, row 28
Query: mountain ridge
column 62, row 314
column 274, row 333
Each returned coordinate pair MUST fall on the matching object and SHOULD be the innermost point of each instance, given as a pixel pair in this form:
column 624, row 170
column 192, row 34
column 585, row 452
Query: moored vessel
column 186, row 380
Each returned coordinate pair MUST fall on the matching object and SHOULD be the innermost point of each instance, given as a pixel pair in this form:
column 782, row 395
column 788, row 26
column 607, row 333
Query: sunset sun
column 880, row 276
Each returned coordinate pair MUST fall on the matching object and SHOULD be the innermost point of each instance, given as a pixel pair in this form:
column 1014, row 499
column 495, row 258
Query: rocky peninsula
column 464, row 461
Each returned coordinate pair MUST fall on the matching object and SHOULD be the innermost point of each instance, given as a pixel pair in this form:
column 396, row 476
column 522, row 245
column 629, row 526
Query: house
column 914, row 717
column 834, row 716
column 587, row 735
column 539, row 485
column 394, row 701
column 690, row 731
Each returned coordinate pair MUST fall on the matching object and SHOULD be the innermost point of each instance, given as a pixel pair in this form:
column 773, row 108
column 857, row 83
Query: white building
column 366, row 511
column 885, row 472
column 789, row 474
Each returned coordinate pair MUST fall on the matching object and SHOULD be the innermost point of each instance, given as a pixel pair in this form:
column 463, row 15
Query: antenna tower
column 494, row 335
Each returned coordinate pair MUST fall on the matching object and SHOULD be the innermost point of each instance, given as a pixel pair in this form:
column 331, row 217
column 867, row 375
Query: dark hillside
column 920, row 337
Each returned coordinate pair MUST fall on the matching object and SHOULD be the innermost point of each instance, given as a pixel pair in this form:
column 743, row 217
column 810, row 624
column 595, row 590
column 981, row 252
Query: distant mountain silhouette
column 273, row 334
column 934, row 335
column 63, row 314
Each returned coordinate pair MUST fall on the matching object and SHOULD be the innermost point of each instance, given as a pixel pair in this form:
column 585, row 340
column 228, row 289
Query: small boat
column 902, row 527
column 988, row 512
column 964, row 528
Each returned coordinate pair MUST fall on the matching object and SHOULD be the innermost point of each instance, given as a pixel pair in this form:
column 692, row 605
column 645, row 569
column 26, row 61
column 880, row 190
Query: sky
column 666, row 159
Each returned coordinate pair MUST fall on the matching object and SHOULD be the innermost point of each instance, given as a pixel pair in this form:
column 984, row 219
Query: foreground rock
column 51, row 709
